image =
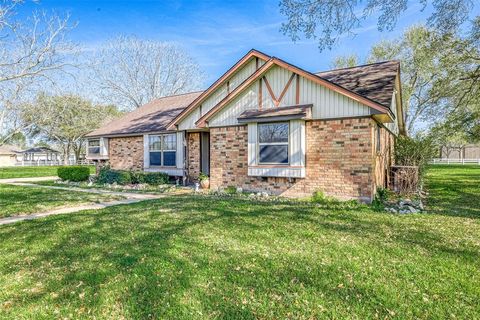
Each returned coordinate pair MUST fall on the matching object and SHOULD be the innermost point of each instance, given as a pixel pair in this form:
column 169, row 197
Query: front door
column 205, row 152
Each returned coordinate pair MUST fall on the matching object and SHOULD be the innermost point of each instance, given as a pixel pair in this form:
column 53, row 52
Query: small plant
column 74, row 173
column 138, row 177
column 230, row 190
column 156, row 178
column 204, row 180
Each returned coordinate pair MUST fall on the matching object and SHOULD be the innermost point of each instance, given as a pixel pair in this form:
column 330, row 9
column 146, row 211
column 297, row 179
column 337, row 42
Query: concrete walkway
column 130, row 197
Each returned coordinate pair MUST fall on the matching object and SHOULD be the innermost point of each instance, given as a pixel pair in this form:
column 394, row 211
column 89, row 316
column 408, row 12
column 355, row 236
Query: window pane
column 274, row 154
column 273, row 132
column 155, row 158
column 154, row 143
column 94, row 143
column 94, row 150
column 169, row 158
column 169, row 142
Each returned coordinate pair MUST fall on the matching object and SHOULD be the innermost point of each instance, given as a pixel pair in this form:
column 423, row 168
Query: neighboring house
column 458, row 152
column 39, row 155
column 8, row 155
column 267, row 125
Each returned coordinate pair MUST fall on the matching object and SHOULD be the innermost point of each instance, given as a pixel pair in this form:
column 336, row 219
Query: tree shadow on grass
column 177, row 257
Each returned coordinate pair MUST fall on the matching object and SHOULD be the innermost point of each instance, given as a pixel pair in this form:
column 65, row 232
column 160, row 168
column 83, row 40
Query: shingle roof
column 151, row 117
column 374, row 81
column 39, row 150
column 281, row 113
column 9, row 149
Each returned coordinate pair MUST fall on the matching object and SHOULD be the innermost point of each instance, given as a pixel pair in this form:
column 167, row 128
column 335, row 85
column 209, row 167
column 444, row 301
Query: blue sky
column 215, row 33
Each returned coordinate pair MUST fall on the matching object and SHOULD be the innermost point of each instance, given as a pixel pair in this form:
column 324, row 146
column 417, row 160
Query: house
column 268, row 125
column 39, row 155
column 8, row 155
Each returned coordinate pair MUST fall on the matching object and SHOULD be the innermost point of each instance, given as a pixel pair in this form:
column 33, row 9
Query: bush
column 156, row 178
column 417, row 151
column 74, row 173
column 138, row 177
column 109, row 176
column 122, row 177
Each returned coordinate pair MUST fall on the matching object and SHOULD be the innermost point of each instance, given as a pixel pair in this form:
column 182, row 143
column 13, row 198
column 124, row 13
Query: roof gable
column 307, row 75
column 252, row 54
column 374, row 81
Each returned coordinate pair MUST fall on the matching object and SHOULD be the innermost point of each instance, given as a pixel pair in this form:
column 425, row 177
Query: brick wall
column 383, row 158
column 126, row 153
column 339, row 160
column 193, row 155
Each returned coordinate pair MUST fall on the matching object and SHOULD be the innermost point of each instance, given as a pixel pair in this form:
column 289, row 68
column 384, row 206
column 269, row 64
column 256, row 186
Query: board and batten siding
column 297, row 149
column 326, row 102
column 240, row 76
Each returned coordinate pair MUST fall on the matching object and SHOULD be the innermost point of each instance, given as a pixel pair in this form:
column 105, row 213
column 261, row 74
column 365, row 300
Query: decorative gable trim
column 202, row 122
column 225, row 77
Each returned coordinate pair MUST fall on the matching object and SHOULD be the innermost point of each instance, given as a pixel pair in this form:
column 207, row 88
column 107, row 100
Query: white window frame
column 91, row 147
column 259, row 144
column 162, row 150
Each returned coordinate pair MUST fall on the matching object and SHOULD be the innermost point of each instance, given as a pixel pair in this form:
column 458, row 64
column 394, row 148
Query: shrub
column 74, row 173
column 138, row 177
column 156, row 178
column 417, row 151
column 109, row 176
column 122, row 177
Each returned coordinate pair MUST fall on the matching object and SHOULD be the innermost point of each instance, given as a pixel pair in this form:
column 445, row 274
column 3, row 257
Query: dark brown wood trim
column 297, row 89
column 260, row 94
column 286, row 88
column 228, row 87
column 270, row 91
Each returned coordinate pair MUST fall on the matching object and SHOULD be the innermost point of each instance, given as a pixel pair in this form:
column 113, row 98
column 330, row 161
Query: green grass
column 29, row 172
column 84, row 185
column 455, row 189
column 17, row 200
column 202, row 257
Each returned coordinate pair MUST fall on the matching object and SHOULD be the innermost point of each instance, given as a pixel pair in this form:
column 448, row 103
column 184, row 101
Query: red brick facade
column 126, row 153
column 339, row 160
column 193, row 155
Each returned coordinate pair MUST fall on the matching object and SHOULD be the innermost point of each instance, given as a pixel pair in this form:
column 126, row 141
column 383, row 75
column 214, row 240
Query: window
column 273, row 143
column 163, row 150
column 94, row 146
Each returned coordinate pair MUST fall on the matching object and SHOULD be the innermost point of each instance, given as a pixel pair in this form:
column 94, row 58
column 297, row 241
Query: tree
column 64, row 120
column 329, row 20
column 31, row 51
column 346, row 61
column 419, row 55
column 131, row 72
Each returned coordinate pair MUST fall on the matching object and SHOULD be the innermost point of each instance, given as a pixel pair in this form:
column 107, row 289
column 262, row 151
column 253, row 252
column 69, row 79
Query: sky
column 215, row 33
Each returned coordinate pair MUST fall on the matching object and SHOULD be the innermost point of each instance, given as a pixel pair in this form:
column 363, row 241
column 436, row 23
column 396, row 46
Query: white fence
column 456, row 161
column 52, row 163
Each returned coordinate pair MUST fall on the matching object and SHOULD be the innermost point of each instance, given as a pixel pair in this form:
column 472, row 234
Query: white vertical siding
column 248, row 100
column 189, row 121
column 252, row 144
column 297, row 143
column 240, row 76
column 328, row 103
column 146, row 155
column 180, row 149
column 104, row 147
column 217, row 96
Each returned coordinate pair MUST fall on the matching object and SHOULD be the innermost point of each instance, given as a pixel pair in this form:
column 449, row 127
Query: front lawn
column 455, row 189
column 29, row 172
column 17, row 200
column 203, row 257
